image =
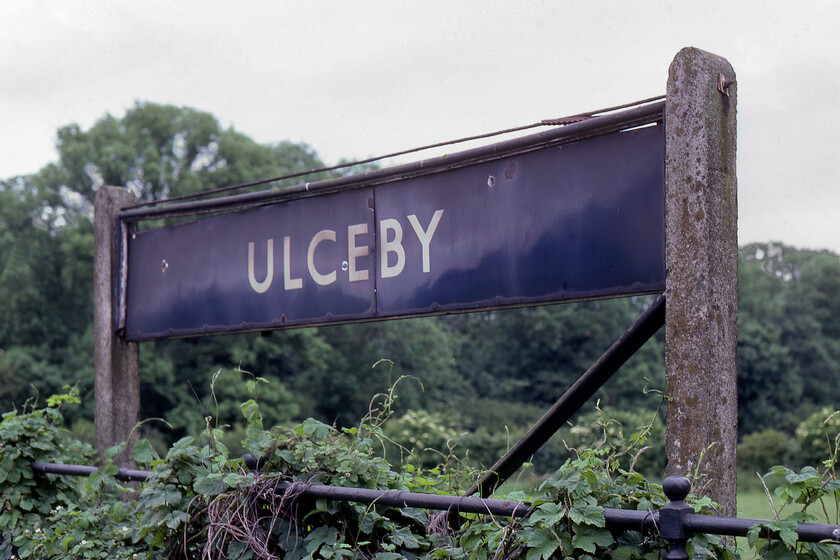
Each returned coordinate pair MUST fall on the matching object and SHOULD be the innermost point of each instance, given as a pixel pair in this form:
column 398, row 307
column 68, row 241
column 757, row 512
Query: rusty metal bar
column 739, row 526
column 126, row 475
column 674, row 521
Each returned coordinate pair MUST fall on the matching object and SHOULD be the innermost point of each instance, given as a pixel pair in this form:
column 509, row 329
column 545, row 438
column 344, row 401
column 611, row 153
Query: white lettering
column 320, row 279
column 392, row 254
column 289, row 283
column 425, row 237
column 354, row 252
column 394, row 246
column 261, row 287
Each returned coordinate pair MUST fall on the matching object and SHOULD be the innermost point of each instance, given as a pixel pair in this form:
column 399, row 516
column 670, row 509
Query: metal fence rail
column 675, row 522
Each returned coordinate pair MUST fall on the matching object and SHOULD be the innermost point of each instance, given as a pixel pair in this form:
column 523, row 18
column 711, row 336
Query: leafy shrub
column 200, row 502
column 761, row 450
column 639, row 434
column 422, row 438
column 45, row 516
column 808, row 492
column 818, row 436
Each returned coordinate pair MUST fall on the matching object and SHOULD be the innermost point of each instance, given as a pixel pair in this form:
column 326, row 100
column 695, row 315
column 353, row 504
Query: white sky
column 364, row 78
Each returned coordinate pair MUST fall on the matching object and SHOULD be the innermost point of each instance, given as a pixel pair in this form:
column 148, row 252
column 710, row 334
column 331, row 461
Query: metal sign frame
column 389, row 192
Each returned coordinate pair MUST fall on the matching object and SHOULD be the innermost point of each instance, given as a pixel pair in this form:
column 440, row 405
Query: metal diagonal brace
column 633, row 338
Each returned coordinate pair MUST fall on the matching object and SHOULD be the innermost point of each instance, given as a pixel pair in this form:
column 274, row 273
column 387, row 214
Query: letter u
column 261, row 287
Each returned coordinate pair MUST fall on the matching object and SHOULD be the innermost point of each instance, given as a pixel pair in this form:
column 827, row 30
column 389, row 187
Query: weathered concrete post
column 115, row 361
column 701, row 248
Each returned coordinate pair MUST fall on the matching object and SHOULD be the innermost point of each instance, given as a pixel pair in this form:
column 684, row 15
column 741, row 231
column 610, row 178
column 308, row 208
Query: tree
column 46, row 251
column 535, row 354
column 769, row 387
column 421, row 351
column 812, row 325
column 769, row 382
column 160, row 151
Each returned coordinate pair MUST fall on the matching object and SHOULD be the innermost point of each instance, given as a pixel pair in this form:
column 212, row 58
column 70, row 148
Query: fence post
column 671, row 526
column 115, row 361
column 701, row 256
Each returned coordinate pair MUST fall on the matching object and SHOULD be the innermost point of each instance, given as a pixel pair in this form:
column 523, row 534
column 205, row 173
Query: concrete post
column 701, row 247
column 115, row 361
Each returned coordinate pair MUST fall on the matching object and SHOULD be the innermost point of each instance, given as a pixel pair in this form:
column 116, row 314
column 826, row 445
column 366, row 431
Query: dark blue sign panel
column 570, row 222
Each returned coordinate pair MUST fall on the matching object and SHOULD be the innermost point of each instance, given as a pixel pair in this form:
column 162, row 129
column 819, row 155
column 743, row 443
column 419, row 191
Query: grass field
column 754, row 503
column 752, row 499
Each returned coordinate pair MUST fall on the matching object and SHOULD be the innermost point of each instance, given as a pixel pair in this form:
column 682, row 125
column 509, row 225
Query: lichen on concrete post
column 115, row 360
column 701, row 249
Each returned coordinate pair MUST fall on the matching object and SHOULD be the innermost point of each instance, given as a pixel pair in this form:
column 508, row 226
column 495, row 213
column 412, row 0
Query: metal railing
column 676, row 522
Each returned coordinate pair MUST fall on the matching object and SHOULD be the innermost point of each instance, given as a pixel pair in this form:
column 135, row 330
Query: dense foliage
column 485, row 377
column 203, row 502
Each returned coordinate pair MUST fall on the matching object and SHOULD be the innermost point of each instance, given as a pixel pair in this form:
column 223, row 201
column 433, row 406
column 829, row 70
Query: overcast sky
column 358, row 79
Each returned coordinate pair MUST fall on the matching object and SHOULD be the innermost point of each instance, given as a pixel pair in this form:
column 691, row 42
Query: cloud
column 361, row 79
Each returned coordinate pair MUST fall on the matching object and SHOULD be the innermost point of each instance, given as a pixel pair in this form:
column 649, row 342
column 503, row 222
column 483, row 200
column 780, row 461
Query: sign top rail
column 604, row 124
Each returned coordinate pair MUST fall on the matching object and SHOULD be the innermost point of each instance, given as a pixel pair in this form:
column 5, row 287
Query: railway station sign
column 577, row 220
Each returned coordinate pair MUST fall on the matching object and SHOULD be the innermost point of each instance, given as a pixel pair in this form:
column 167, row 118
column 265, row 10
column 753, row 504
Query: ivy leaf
column 821, row 551
column 625, row 553
column 236, row 549
column 42, row 445
column 115, row 450
column 541, row 543
column 94, row 481
column 790, row 493
column 587, row 538
column 171, row 494
column 832, row 485
column 314, row 429
column 251, row 410
column 786, row 529
column 550, row 513
column 210, row 485
column 234, row 480
column 777, row 551
column 587, row 514
column 564, row 479
column 322, row 535
column 405, row 538
column 257, row 441
column 807, row 473
column 289, row 538
column 701, row 503
column 143, row 452
column 416, row 514
column 176, row 519
column 154, row 501
column 368, row 523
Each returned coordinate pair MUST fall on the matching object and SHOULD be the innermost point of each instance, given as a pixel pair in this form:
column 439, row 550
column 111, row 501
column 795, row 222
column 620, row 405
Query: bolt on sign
column 572, row 214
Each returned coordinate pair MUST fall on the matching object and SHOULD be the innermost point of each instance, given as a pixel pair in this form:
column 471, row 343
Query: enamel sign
column 577, row 221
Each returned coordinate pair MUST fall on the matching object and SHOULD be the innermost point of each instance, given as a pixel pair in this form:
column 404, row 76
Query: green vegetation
column 472, row 383
column 202, row 501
